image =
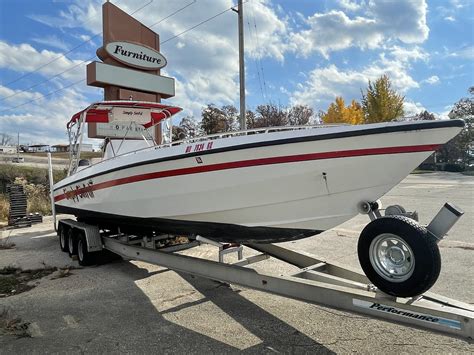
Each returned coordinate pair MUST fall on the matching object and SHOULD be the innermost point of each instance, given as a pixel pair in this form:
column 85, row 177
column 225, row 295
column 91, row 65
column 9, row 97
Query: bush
column 4, row 207
column 38, row 199
column 37, row 176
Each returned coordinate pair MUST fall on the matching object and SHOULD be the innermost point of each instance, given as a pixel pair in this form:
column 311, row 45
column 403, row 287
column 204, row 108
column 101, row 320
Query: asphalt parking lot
column 136, row 307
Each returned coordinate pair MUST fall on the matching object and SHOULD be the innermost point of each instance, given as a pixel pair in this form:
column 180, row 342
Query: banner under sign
column 127, row 114
column 121, row 129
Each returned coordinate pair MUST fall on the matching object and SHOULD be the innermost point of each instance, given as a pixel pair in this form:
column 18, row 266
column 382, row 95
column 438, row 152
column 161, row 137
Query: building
column 38, row 148
column 65, row 148
column 7, row 149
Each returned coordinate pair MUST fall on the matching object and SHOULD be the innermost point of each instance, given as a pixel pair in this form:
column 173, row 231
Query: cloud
column 25, row 58
column 351, row 5
column 325, row 84
column 43, row 120
column 384, row 20
column 412, row 108
column 434, row 79
column 51, row 41
column 466, row 52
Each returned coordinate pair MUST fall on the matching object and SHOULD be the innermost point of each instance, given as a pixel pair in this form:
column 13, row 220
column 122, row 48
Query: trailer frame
column 317, row 281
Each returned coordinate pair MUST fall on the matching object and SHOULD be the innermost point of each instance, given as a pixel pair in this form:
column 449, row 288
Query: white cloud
column 324, row 84
column 466, row 52
column 351, row 5
column 450, row 18
column 51, row 41
column 43, row 120
column 412, row 108
column 408, row 53
column 25, row 58
column 384, row 20
column 434, row 79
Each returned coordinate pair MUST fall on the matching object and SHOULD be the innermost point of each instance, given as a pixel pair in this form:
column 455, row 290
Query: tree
column 270, row 115
column 380, row 102
column 5, row 139
column 300, row 115
column 251, row 119
column 424, row 116
column 459, row 148
column 218, row 120
column 231, row 118
column 339, row 113
column 187, row 128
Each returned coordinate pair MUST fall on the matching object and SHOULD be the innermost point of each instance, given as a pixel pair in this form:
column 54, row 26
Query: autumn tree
column 381, row 103
column 338, row 113
column 218, row 120
column 458, row 149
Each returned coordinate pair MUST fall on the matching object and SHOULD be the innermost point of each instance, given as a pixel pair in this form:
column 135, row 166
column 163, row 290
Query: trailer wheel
column 71, row 242
column 84, row 257
column 399, row 256
column 63, row 238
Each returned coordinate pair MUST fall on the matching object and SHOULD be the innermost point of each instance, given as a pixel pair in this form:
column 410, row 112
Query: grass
column 14, row 280
column 34, row 175
column 4, row 207
column 12, row 325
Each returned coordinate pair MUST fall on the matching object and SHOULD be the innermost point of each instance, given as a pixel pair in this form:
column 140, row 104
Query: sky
column 296, row 52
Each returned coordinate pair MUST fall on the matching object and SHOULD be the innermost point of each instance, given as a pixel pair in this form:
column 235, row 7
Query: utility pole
column 240, row 11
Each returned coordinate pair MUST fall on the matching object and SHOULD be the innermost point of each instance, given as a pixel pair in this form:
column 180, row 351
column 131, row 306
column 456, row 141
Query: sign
column 103, row 75
column 136, row 55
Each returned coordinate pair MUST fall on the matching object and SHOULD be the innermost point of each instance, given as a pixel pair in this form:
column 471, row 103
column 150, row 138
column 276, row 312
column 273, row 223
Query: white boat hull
column 265, row 188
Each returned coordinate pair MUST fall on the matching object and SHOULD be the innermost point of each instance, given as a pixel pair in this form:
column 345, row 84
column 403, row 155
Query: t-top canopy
column 145, row 113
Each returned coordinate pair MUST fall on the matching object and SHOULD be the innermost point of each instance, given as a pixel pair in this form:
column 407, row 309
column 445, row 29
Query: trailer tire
column 84, row 257
column 72, row 242
column 63, row 237
column 399, row 256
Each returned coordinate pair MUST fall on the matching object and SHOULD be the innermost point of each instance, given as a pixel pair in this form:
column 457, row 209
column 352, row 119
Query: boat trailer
column 317, row 281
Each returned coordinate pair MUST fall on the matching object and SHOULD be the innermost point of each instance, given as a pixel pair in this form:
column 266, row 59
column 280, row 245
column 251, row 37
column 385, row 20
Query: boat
column 255, row 186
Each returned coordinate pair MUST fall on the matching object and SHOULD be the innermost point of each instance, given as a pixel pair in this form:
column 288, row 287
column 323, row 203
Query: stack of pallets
column 18, row 216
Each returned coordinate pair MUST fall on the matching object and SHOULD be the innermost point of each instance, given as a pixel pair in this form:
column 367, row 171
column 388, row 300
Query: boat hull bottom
column 221, row 232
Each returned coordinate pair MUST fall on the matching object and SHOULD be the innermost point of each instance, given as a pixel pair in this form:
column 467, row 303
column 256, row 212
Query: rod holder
column 446, row 218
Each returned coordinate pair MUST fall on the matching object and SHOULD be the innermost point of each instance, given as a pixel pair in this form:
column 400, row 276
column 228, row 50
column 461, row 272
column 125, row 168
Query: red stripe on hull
column 249, row 163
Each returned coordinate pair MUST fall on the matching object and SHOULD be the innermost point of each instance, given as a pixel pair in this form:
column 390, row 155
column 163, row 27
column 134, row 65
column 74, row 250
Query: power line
column 63, row 55
column 255, row 61
column 47, row 80
column 199, row 24
column 174, row 13
column 259, row 60
column 43, row 95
